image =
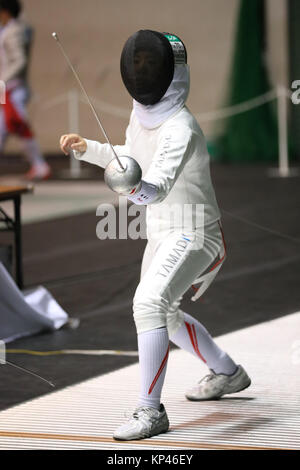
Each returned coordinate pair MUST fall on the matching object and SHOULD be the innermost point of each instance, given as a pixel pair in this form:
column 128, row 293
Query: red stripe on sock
column 159, row 371
column 189, row 329
column 14, row 122
column 196, row 343
column 193, row 338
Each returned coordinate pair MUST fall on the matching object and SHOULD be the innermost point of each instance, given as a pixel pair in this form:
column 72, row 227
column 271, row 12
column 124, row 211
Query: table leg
column 18, row 241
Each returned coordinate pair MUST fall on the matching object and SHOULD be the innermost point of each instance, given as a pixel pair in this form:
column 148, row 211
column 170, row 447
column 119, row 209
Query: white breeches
column 171, row 265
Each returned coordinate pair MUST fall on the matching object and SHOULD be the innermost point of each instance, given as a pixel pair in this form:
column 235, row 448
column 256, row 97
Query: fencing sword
column 122, row 173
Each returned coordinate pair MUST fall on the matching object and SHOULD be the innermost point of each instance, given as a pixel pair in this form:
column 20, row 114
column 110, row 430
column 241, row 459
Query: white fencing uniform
column 185, row 239
column 173, row 157
column 15, row 42
column 13, row 72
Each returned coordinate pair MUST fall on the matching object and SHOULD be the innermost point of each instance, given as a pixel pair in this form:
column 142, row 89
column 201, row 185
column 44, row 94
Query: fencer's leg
column 160, row 285
column 153, row 357
column 39, row 167
column 193, row 337
column 225, row 377
column 150, row 417
column 32, row 151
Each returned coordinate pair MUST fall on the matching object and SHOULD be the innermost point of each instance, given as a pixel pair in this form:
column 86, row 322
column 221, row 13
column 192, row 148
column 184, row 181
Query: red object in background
column 14, row 122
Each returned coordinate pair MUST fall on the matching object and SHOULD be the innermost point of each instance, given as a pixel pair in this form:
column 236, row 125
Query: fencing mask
column 148, row 62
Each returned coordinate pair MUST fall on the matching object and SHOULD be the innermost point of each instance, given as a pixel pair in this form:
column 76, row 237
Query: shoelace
column 207, row 378
column 134, row 415
column 143, row 410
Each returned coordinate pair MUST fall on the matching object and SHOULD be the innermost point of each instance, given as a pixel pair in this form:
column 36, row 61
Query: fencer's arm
column 101, row 154
column 84, row 149
column 174, row 149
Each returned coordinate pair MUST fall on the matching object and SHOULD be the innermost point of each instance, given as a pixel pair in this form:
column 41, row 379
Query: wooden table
column 14, row 193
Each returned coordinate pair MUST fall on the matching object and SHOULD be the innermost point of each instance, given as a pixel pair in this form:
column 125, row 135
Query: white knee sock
column 194, row 338
column 153, row 356
column 32, row 152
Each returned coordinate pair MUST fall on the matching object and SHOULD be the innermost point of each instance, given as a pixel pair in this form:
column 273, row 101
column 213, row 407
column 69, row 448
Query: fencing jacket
column 172, row 156
column 14, row 49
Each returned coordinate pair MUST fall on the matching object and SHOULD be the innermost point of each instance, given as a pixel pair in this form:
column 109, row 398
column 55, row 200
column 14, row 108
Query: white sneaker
column 216, row 385
column 145, row 422
column 38, row 172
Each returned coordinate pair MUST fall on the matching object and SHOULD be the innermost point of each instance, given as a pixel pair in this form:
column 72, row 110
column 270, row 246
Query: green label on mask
column 172, row 37
column 178, row 49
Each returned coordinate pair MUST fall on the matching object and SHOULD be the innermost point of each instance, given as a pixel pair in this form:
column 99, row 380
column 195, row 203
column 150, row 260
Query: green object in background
column 252, row 135
column 294, row 73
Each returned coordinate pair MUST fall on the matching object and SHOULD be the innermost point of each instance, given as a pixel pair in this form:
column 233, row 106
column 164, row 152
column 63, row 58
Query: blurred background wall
column 93, row 33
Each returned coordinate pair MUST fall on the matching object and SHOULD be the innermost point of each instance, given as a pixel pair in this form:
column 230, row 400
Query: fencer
column 15, row 45
column 167, row 142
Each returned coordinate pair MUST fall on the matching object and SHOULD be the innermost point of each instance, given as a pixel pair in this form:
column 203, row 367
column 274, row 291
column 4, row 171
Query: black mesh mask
column 147, row 66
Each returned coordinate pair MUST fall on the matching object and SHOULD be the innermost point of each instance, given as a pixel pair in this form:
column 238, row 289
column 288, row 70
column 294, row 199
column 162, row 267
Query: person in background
column 15, row 44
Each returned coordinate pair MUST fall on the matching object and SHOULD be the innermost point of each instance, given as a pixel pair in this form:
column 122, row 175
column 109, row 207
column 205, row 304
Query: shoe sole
column 36, row 179
column 220, row 396
column 139, row 438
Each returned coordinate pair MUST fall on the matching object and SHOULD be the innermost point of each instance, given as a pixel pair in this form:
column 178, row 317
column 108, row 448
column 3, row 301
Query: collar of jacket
column 152, row 116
